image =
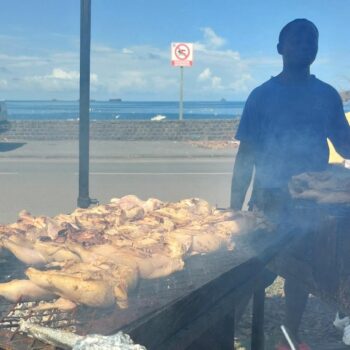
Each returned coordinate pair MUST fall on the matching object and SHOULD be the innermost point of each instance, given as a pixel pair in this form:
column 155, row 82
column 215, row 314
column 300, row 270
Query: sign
column 182, row 54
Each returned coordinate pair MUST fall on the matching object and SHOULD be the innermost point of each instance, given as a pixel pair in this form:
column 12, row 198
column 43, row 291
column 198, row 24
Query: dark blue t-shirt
column 288, row 127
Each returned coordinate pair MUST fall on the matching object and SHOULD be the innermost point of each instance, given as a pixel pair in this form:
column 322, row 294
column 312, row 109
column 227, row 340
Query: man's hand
column 242, row 174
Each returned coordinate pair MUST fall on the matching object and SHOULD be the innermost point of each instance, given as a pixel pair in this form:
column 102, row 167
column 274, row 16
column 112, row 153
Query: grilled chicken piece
column 55, row 252
column 102, row 253
column 152, row 204
column 116, row 220
column 37, row 253
column 122, row 278
column 128, row 202
column 149, row 265
column 248, row 221
column 179, row 217
column 131, row 231
column 24, row 251
column 195, row 206
column 158, row 243
column 158, row 266
column 112, row 273
column 98, row 209
column 26, row 219
column 206, row 243
column 330, row 186
column 131, row 205
column 88, row 237
column 24, row 290
column 65, row 219
column 182, row 237
column 134, row 213
column 177, row 246
column 91, row 222
column 134, row 230
column 96, row 293
column 60, row 304
column 226, row 229
column 53, row 228
column 325, row 197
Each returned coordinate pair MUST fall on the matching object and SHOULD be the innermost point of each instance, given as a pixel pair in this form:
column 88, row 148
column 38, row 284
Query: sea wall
column 121, row 130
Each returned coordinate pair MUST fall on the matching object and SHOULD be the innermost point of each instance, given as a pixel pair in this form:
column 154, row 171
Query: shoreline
column 122, row 130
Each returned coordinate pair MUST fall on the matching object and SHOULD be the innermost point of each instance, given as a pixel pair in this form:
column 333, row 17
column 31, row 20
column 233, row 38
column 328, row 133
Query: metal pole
column 181, row 92
column 84, row 120
column 258, row 339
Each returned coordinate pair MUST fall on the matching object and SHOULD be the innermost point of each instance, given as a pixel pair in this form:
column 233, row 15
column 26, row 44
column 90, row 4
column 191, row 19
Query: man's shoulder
column 270, row 87
column 260, row 91
column 325, row 88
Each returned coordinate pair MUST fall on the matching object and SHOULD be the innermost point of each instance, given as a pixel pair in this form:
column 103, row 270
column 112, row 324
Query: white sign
column 182, row 54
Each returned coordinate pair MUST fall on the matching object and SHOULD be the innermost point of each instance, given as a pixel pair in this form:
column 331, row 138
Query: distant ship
column 158, row 118
column 223, row 100
column 115, row 100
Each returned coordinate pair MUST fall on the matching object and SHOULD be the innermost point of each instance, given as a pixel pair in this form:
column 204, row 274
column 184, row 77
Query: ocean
column 125, row 110
column 122, row 110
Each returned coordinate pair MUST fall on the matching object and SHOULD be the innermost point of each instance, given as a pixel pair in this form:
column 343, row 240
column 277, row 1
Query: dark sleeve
column 338, row 128
column 248, row 129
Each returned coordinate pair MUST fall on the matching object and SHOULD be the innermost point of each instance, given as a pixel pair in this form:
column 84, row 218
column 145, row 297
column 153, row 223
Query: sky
column 234, row 47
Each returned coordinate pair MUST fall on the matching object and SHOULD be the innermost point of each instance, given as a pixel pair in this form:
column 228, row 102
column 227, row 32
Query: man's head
column 298, row 43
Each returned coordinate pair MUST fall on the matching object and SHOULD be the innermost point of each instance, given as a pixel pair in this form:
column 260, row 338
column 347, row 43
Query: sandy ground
column 317, row 328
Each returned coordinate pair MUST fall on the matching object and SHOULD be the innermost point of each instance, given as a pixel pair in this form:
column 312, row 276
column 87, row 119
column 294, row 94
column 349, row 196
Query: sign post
column 181, row 56
column 181, row 109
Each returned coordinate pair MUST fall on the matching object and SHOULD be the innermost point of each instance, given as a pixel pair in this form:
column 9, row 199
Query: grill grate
column 11, row 314
column 148, row 297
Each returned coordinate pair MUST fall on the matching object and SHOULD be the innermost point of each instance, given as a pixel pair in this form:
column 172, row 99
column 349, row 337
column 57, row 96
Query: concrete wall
column 122, row 130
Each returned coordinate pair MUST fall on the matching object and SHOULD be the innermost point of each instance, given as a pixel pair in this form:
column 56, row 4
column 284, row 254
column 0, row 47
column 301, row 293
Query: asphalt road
column 50, row 187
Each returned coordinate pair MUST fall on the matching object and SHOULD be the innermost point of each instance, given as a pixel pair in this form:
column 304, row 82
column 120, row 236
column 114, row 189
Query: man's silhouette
column 283, row 132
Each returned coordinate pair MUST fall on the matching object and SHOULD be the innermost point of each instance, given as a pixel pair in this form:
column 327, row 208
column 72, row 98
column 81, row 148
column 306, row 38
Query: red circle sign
column 182, row 52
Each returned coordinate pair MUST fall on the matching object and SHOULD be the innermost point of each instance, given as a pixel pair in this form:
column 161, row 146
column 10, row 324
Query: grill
column 172, row 312
column 200, row 304
column 321, row 260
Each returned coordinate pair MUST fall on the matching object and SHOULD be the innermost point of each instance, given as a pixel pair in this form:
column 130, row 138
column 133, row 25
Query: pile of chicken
column 331, row 186
column 96, row 256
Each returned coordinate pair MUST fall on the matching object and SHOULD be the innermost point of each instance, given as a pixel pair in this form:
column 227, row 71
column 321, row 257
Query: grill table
column 191, row 309
column 321, row 260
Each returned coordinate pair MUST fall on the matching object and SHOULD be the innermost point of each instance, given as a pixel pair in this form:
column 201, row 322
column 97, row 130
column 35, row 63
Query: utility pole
column 84, row 200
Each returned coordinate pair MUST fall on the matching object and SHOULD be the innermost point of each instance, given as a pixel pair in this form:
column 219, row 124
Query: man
column 283, row 132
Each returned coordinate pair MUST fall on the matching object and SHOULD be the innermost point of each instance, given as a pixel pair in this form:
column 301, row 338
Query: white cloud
column 205, row 75
column 100, row 48
column 21, row 61
column 242, row 84
column 3, row 83
column 59, row 80
column 58, row 73
column 212, row 39
column 216, row 82
column 127, row 51
column 132, row 72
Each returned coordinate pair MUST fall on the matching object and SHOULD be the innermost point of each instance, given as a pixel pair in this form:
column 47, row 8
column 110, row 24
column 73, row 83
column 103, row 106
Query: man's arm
column 339, row 130
column 242, row 174
column 342, row 143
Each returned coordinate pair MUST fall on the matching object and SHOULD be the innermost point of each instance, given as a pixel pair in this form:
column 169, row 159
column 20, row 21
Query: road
column 49, row 187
